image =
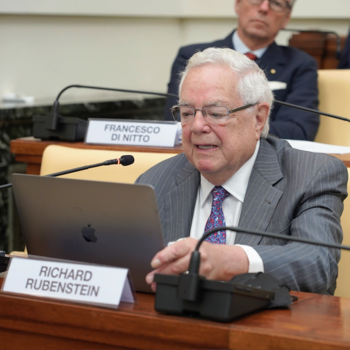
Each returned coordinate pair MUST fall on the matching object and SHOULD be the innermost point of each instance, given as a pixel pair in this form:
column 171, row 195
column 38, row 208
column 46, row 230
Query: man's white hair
column 252, row 85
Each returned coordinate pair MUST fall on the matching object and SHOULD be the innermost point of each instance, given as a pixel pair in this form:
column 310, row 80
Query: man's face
column 218, row 151
column 259, row 22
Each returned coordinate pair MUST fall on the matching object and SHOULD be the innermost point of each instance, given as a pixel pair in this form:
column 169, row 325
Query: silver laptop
column 90, row 221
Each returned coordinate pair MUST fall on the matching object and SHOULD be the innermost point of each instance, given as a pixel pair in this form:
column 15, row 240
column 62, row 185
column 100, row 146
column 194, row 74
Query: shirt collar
column 241, row 47
column 237, row 184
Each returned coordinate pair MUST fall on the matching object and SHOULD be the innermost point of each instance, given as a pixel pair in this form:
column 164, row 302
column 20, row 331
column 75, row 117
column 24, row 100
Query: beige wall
column 42, row 54
column 46, row 45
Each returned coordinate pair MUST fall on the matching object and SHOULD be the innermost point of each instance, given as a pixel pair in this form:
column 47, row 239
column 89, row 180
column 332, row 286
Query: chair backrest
column 343, row 281
column 334, row 96
column 58, row 158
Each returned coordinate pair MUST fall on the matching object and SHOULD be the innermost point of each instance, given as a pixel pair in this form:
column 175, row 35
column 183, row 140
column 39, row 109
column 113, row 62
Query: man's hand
column 218, row 262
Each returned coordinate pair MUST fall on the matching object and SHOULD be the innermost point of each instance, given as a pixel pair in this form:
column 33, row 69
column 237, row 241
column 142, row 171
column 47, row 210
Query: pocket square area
column 277, row 85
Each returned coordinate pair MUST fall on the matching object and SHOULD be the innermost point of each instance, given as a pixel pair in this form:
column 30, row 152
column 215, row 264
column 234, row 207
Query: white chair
column 334, row 96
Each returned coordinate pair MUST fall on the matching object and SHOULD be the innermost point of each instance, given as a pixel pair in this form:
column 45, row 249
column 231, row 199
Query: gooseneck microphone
column 272, row 235
column 123, row 160
column 52, row 120
column 310, row 110
column 193, row 295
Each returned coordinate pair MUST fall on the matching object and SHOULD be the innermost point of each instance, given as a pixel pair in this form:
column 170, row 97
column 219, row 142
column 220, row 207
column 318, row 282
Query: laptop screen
column 97, row 222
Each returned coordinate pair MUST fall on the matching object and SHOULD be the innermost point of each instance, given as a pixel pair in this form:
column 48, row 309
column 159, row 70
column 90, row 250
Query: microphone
column 123, row 160
column 52, row 121
column 72, row 129
column 191, row 294
column 310, row 110
column 4, row 261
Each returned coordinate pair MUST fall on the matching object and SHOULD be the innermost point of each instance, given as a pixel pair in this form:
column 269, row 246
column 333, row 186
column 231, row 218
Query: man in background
column 292, row 74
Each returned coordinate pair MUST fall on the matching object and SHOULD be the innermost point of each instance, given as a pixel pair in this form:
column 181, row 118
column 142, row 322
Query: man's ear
column 286, row 19
column 261, row 118
column 237, row 6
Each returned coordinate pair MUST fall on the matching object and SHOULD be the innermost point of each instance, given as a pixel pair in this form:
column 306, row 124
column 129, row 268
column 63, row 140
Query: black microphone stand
column 193, row 295
column 68, row 128
column 310, row 110
column 123, row 160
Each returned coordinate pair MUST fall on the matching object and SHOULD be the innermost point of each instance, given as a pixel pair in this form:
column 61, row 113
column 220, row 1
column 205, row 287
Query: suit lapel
column 261, row 197
column 228, row 42
column 179, row 204
column 273, row 62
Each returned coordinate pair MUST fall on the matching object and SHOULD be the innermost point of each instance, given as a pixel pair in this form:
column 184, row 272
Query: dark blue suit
column 280, row 63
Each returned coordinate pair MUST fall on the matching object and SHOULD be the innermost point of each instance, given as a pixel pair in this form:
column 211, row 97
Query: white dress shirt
column 241, row 47
column 232, row 207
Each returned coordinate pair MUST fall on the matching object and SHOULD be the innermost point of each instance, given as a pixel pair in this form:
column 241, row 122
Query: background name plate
column 136, row 133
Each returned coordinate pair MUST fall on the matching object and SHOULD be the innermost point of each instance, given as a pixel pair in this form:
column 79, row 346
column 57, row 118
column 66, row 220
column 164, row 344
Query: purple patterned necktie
column 217, row 218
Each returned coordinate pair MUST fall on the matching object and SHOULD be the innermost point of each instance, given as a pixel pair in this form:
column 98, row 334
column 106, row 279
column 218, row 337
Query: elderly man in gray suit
column 232, row 173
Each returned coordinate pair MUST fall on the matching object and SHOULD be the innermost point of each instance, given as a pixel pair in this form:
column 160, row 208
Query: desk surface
column 315, row 321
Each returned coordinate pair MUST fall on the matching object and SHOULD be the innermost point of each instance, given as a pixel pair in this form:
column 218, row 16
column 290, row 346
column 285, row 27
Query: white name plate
column 69, row 281
column 136, row 133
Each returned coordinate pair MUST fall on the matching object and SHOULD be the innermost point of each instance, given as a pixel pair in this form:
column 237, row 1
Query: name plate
column 136, row 133
column 91, row 284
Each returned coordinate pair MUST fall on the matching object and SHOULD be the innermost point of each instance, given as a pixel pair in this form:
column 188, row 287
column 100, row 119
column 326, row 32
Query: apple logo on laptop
column 89, row 234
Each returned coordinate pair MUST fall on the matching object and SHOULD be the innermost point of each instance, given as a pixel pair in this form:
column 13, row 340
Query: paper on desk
column 317, row 147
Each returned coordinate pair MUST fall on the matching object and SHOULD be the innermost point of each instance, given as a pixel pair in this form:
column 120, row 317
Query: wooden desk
column 29, row 150
column 314, row 322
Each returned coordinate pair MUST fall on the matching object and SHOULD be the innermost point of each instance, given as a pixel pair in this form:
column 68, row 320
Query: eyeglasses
column 275, row 5
column 212, row 114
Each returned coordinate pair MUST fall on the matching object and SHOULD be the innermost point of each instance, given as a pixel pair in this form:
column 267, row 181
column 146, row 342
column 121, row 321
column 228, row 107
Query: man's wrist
column 234, row 261
column 255, row 262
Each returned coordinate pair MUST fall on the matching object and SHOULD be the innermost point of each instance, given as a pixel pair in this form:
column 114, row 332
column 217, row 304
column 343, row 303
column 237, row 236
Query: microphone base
column 217, row 300
column 4, row 261
column 68, row 129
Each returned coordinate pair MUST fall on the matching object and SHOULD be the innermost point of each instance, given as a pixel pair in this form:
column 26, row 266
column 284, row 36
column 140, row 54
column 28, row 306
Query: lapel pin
column 273, row 71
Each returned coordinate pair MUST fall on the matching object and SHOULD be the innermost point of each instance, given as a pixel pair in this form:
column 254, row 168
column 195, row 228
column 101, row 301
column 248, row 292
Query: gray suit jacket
column 290, row 192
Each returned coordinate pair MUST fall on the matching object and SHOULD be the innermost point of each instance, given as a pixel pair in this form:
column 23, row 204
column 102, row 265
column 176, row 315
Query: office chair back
column 58, row 158
column 334, row 96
